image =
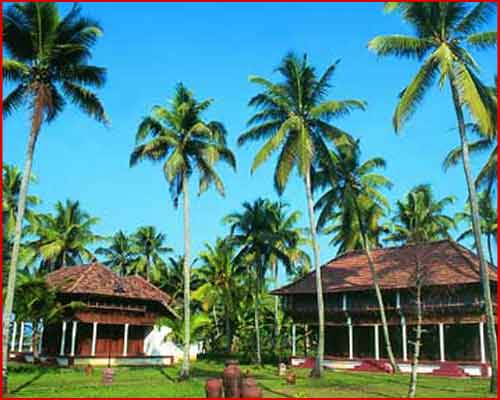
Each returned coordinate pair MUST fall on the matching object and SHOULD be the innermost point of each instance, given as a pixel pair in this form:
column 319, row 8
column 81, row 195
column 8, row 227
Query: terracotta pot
column 249, row 392
column 107, row 376
column 213, row 388
column 231, row 378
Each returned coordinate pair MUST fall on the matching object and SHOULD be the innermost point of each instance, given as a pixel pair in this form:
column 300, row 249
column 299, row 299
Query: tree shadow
column 274, row 391
column 169, row 378
column 28, row 383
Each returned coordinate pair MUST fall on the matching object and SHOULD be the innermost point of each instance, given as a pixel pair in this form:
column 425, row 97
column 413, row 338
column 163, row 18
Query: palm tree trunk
column 476, row 227
column 187, row 281
column 257, row 316
column 318, row 369
column 378, row 292
column 276, row 331
column 412, row 389
column 229, row 334
column 490, row 250
column 21, row 206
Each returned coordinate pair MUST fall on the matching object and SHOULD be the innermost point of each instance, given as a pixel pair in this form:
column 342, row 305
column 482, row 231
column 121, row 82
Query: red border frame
column 220, row 1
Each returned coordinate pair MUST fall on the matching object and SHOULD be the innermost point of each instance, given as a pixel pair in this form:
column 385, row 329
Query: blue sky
column 213, row 48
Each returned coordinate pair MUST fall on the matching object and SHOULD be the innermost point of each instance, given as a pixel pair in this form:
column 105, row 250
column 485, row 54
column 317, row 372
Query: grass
column 32, row 381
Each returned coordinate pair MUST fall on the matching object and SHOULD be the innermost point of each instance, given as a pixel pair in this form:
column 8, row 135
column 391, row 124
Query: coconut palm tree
column 47, row 60
column 489, row 224
column 487, row 177
column 444, row 34
column 222, row 283
column 251, row 231
column 187, row 143
column 119, row 255
column 63, row 239
column 294, row 116
column 354, row 187
column 148, row 247
column 420, row 217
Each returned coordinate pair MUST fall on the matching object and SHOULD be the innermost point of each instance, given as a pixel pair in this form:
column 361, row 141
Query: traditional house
column 116, row 326
column 454, row 341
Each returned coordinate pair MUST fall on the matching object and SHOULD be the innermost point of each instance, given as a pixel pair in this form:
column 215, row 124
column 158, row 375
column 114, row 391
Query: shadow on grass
column 28, row 383
column 274, row 391
column 170, row 378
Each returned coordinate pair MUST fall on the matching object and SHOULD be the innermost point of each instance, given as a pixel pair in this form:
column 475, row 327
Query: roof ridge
column 467, row 253
column 85, row 272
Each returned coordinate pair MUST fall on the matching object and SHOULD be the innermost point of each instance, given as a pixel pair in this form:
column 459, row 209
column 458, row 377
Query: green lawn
column 161, row 382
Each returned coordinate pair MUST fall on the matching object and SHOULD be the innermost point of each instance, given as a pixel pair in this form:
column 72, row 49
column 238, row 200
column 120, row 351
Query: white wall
column 156, row 345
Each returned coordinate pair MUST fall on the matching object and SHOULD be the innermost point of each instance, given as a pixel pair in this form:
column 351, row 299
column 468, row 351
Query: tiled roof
column 98, row 280
column 445, row 263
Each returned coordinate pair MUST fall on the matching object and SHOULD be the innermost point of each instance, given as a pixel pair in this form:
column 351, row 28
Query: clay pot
column 213, row 388
column 251, row 392
column 291, row 379
column 231, row 378
column 107, row 376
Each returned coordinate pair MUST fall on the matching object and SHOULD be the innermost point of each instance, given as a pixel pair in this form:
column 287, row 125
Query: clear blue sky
column 213, row 48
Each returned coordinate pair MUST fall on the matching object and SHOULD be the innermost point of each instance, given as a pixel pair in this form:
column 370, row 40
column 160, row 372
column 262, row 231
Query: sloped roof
column 445, row 263
column 96, row 279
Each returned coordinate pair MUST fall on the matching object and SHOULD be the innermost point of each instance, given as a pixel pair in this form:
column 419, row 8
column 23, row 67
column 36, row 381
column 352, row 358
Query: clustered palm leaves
column 421, row 218
column 63, row 239
column 339, row 174
column 140, row 253
column 294, row 117
column 487, row 176
column 489, row 222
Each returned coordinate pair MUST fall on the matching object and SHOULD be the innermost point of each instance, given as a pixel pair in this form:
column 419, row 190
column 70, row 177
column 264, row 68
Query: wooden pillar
column 21, row 337
column 377, row 349
column 40, row 343
column 441, row 342
column 13, row 340
column 294, row 340
column 125, row 339
column 404, row 340
column 481, row 342
column 94, row 338
column 73, row 338
column 351, row 349
column 63, row 338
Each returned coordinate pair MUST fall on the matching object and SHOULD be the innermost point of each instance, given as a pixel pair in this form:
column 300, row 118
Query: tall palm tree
column 187, row 143
column 290, row 240
column 444, row 33
column 222, row 283
column 47, row 59
column 487, row 177
column 354, row 188
column 171, row 279
column 295, row 117
column 119, row 255
column 251, row 231
column 489, row 222
column 420, row 217
column 63, row 239
column 148, row 247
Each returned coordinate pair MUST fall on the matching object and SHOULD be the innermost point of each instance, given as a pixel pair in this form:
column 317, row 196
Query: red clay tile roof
column 99, row 280
column 445, row 262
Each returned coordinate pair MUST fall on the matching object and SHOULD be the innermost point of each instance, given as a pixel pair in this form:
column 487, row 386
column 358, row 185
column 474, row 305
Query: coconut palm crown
column 444, row 35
